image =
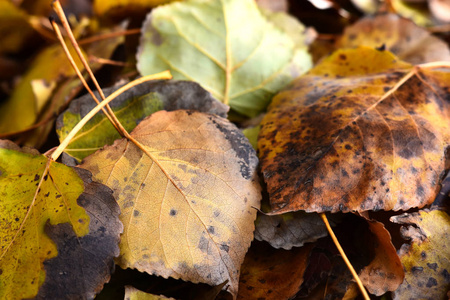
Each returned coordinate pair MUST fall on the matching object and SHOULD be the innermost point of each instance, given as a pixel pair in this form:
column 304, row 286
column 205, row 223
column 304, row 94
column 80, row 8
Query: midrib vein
column 228, row 67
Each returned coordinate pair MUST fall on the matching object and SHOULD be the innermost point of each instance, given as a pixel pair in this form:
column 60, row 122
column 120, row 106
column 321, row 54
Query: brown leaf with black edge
column 351, row 136
column 385, row 271
column 188, row 203
column 404, row 38
column 269, row 273
column 426, row 259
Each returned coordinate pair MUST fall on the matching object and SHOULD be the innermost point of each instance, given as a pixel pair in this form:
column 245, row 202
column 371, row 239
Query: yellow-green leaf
column 132, row 293
column 229, row 47
column 426, row 260
column 50, row 246
column 188, row 203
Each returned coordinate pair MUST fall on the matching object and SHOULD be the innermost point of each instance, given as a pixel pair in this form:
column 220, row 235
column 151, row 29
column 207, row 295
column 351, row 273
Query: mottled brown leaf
column 348, row 137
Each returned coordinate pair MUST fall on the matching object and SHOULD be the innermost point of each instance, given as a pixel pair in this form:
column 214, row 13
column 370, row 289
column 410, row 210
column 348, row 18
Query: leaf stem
column 344, row 257
column 72, row 62
column 59, row 11
column 74, row 131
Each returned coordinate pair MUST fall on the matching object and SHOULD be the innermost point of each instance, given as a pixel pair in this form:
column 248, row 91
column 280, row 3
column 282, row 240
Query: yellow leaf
column 24, row 246
column 188, row 203
column 132, row 293
column 426, row 260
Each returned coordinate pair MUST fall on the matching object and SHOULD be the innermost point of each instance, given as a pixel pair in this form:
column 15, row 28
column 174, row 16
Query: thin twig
column 344, row 257
column 59, row 11
column 72, row 62
column 108, row 36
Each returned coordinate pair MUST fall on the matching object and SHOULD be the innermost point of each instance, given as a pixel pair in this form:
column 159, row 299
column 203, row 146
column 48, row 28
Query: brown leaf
column 402, row 37
column 351, row 136
column 385, row 272
column 427, row 259
column 188, row 203
column 268, row 273
column 290, row 229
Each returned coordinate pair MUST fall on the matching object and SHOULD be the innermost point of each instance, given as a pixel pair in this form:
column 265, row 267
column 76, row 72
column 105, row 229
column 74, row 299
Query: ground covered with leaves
column 221, row 139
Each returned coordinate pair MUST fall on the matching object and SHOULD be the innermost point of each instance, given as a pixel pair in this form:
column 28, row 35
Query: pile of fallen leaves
column 218, row 183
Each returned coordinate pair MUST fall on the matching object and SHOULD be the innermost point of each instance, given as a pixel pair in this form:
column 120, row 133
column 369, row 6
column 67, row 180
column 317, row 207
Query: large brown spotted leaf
column 188, row 202
column 351, row 135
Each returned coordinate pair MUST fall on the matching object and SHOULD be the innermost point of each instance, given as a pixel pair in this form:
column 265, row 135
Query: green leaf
column 57, row 238
column 130, row 108
column 229, row 47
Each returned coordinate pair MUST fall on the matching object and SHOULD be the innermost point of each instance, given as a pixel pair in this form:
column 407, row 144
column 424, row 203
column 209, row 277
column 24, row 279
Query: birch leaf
column 229, row 47
column 188, row 203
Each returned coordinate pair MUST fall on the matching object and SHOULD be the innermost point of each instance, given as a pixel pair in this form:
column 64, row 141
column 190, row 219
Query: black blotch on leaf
column 136, row 213
column 225, row 248
column 173, row 212
column 431, row 282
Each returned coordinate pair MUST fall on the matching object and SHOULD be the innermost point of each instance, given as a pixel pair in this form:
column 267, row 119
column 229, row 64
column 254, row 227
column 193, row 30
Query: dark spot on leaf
column 423, row 255
column 216, row 213
column 225, row 248
column 446, row 275
column 431, row 282
column 432, row 266
column 36, row 177
column 45, row 177
column 81, row 221
column 136, row 213
column 46, row 195
column 348, row 147
column 58, row 196
column 211, row 229
column 262, row 280
column 17, row 219
column 249, row 288
column 416, row 270
column 66, row 183
column 173, row 212
column 343, row 56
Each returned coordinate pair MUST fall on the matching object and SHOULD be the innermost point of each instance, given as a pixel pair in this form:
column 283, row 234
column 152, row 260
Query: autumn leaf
column 402, row 37
column 132, row 293
column 352, row 135
column 188, row 203
column 385, row 272
column 130, row 108
column 229, row 47
column 427, row 259
column 61, row 243
column 21, row 109
column 290, row 229
column 268, row 273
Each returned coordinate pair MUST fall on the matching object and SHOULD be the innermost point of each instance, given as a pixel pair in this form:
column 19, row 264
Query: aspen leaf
column 348, row 136
column 229, row 47
column 402, row 37
column 188, row 203
column 130, row 108
column 269, row 273
column 426, row 260
column 64, row 242
column 132, row 293
column 385, row 271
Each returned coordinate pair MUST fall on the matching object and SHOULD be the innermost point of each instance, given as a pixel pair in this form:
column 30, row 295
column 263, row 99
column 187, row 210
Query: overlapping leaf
column 402, row 37
column 130, row 108
column 268, row 273
column 427, row 259
column 228, row 47
column 188, row 201
column 350, row 135
column 61, row 243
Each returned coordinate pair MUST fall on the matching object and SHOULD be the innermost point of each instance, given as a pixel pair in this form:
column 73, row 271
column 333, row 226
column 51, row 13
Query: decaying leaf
column 64, row 242
column 348, row 137
column 188, row 203
column 130, row 108
column 268, row 273
column 21, row 109
column 290, row 229
column 427, row 259
column 402, row 37
column 229, row 47
column 385, row 272
column 132, row 293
